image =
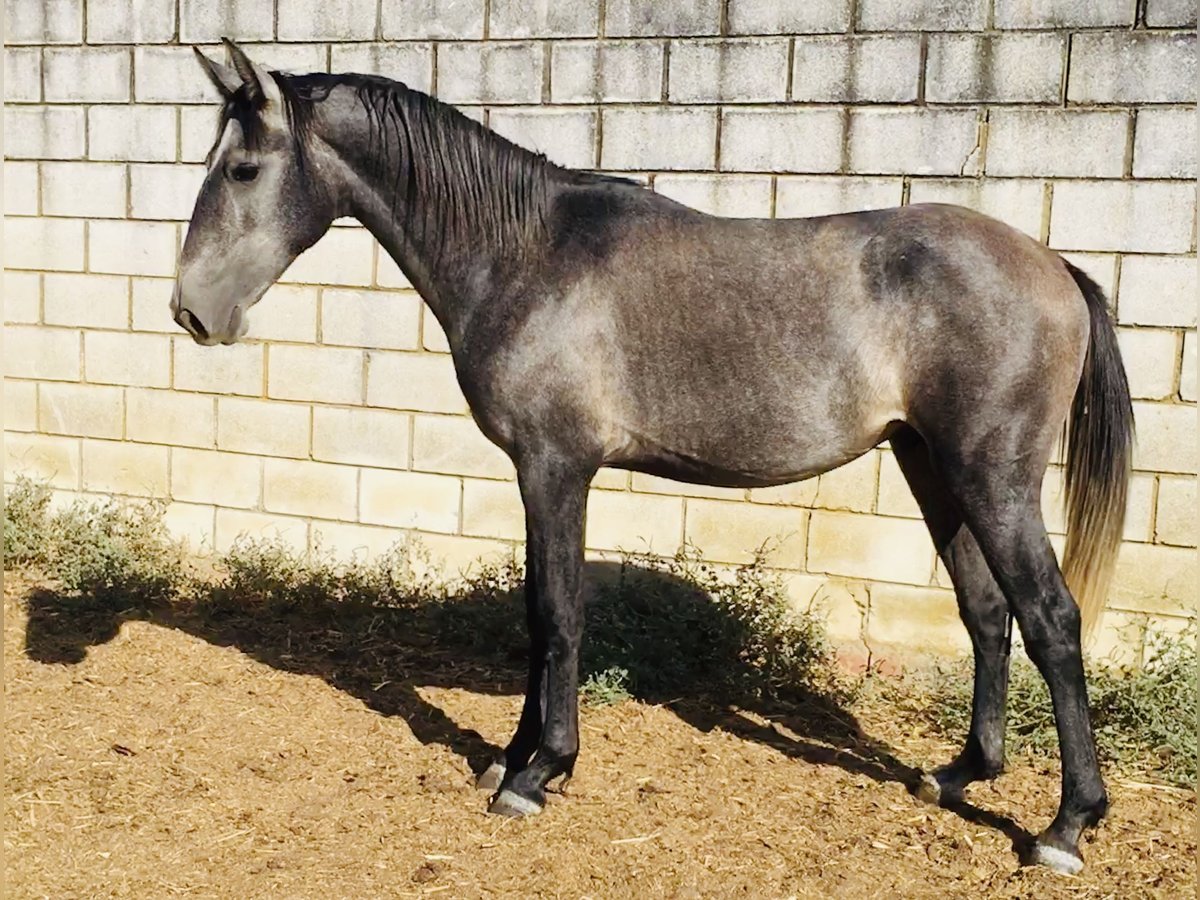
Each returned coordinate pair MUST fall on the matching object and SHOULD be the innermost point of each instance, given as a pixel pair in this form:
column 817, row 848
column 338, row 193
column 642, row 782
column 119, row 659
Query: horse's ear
column 224, row 78
column 260, row 86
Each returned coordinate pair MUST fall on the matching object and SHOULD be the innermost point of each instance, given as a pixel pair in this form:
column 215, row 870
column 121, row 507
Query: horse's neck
column 459, row 245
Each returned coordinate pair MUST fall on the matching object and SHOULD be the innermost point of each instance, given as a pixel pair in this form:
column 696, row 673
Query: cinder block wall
column 1073, row 120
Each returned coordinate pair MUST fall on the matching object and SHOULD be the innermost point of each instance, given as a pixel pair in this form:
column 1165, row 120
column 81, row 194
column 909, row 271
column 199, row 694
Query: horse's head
column 261, row 204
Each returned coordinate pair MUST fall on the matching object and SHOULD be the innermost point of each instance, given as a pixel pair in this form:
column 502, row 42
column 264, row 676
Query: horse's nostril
column 192, row 324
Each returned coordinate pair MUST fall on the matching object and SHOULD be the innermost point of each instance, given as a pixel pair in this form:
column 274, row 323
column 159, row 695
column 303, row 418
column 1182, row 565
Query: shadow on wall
column 650, row 634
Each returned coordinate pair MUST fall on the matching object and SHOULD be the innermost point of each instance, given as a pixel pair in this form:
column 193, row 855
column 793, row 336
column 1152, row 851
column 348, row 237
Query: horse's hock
column 343, row 417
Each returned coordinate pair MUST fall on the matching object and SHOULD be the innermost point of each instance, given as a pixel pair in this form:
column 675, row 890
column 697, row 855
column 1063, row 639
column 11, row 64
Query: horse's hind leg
column 984, row 611
column 999, row 496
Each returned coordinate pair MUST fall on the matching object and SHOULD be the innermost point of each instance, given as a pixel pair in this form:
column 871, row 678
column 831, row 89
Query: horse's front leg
column 528, row 735
column 554, row 491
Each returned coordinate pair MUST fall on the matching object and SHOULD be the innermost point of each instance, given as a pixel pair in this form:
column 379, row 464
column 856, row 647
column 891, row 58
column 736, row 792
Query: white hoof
column 929, row 790
column 508, row 803
column 1056, row 860
column 491, row 778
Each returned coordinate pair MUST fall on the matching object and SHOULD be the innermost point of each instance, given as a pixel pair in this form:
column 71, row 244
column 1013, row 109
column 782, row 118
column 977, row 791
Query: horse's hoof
column 1061, row 861
column 510, row 803
column 929, row 790
column 490, row 778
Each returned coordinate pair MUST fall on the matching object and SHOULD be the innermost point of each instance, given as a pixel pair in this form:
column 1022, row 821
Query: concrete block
column 55, row 460
column 851, row 486
column 197, row 132
column 151, row 298
column 372, row 319
column 1063, row 14
column 1187, row 375
column 1164, row 144
column 1157, row 290
column 1015, row 201
column 20, row 405
column 493, row 509
column 893, row 550
column 116, row 467
column 264, row 427
column 454, row 445
column 421, row 382
column 236, row 369
column 86, row 75
column 880, row 69
column 636, row 522
column 1157, row 579
column 1175, row 522
column 133, row 248
column 1002, row 68
column 48, row 244
column 286, row 312
column 132, row 133
column 410, row 500
column 83, row 410
column 490, row 73
column 207, row 21
column 659, row 138
column 1171, row 13
column 734, row 532
column 22, row 298
column 43, row 22
column 1057, row 142
column 780, row 140
column 543, row 19
column 44, row 132
column 725, row 70
column 1150, row 356
column 170, row 75
column 915, row 618
column 625, row 18
column 566, row 137
column 606, row 71
column 362, row 437
column 207, row 476
column 652, row 484
column 437, row 19
column 1166, row 437
column 1132, row 67
column 433, row 338
column 738, row 196
column 48, row 354
column 22, row 74
column 170, row 417
column 139, row 360
column 85, row 189
column 1100, row 267
column 21, row 188
column 344, row 256
column 922, row 15
column 789, row 17
column 130, row 21
column 825, row 195
column 165, row 192
column 234, row 525
column 305, row 488
column 410, row 64
column 1141, row 217
column 323, row 374
column 322, row 20
column 914, row 142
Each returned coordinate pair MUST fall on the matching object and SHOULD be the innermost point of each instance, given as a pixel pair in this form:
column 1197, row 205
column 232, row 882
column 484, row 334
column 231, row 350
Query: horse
column 595, row 323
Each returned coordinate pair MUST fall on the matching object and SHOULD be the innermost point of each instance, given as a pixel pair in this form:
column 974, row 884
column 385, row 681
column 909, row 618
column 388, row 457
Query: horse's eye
column 245, row 172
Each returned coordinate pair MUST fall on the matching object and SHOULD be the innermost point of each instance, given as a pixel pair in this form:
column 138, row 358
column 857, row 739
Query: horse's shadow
column 383, row 653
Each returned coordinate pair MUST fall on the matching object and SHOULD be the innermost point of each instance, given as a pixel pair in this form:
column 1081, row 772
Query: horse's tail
column 1099, row 444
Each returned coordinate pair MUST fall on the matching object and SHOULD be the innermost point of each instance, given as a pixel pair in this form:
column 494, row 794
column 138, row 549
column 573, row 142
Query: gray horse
column 594, row 323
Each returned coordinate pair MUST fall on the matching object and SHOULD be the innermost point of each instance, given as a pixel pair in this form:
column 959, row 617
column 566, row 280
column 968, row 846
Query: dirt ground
column 154, row 756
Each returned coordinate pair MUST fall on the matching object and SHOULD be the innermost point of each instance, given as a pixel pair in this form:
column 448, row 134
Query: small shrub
column 26, row 513
column 606, row 688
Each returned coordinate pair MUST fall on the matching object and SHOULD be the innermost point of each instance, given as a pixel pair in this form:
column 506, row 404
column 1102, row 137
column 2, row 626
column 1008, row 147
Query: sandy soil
column 160, row 756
